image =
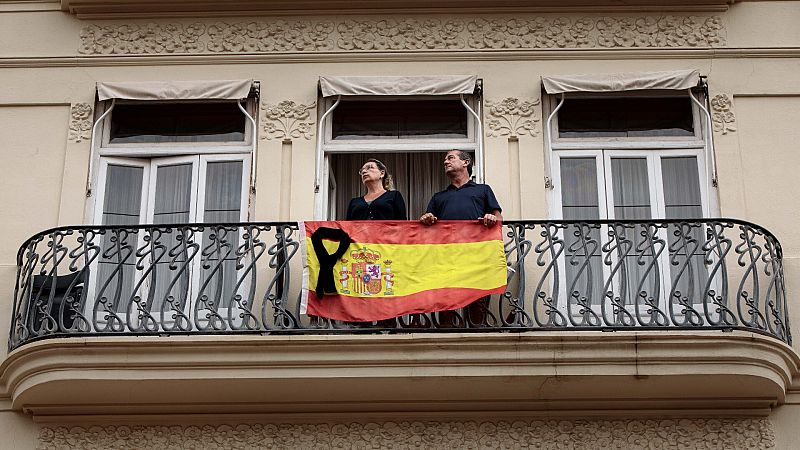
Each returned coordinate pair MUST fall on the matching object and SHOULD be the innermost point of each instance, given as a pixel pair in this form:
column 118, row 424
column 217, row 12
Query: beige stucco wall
column 44, row 171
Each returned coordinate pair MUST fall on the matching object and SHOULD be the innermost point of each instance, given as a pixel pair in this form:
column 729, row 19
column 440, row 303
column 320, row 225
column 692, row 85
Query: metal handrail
column 204, row 278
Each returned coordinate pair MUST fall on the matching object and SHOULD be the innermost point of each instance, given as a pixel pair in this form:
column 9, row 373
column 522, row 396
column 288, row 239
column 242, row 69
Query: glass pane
column 173, row 194
column 579, row 196
column 631, row 188
column 398, row 119
column 223, row 191
column 121, row 206
column 681, row 187
column 579, row 199
column 626, row 117
column 177, row 122
column 222, row 205
column 123, row 195
column 682, row 200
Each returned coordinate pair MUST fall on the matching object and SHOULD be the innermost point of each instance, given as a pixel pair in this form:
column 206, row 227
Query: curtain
column 579, row 199
column 631, row 200
column 121, row 206
column 682, row 200
column 222, row 204
column 416, row 175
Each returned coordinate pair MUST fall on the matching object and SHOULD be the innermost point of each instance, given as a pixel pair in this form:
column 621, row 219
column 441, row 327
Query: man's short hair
column 465, row 156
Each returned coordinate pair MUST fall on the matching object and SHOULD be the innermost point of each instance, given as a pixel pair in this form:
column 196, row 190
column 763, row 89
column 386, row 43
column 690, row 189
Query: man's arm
column 493, row 206
column 429, row 218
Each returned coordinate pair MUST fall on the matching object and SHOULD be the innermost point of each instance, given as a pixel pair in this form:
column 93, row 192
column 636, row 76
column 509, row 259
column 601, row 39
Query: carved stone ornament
column 404, row 34
column 512, row 117
column 539, row 434
column 722, row 114
column 80, row 122
column 287, row 120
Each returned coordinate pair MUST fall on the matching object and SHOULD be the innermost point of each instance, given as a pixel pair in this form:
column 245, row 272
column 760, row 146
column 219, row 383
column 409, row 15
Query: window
column 170, row 163
column 628, row 157
column 410, row 135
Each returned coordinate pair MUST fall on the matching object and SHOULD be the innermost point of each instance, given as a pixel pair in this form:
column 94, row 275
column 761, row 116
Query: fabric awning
column 624, row 81
column 175, row 90
column 400, row 85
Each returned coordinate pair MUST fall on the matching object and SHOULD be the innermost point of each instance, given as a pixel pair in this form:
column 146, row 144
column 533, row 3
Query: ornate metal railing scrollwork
column 717, row 274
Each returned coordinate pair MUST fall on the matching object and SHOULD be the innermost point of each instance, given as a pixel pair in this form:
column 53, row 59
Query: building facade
column 643, row 153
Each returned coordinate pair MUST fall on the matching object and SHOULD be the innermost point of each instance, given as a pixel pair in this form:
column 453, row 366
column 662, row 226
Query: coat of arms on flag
column 374, row 270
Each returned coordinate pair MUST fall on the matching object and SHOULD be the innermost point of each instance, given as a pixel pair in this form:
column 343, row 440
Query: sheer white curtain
column 416, row 175
column 121, row 206
column 223, row 200
column 632, row 199
column 172, row 205
column 682, row 199
column 580, row 201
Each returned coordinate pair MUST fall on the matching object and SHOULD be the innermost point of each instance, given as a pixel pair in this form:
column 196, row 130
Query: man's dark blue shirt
column 469, row 202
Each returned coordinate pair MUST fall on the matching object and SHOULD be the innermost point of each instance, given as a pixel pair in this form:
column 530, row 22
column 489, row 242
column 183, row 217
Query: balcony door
column 631, row 184
column 169, row 191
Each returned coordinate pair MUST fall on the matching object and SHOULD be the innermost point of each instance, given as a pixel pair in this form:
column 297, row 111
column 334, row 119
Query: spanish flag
column 372, row 270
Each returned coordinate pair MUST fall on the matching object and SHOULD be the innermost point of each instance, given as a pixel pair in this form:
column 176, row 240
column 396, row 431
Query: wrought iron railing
column 246, row 277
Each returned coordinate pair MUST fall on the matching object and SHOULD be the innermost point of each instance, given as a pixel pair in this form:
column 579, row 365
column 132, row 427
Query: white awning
column 402, row 85
column 625, row 81
column 175, row 90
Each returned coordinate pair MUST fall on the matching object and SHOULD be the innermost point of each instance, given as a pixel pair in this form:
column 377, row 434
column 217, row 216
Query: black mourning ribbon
column 325, row 281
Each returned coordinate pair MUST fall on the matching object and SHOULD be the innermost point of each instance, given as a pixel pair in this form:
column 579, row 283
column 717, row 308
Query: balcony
column 160, row 318
column 245, row 279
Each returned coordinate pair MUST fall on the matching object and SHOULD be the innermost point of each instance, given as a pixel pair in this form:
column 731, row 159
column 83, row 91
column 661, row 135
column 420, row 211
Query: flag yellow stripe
column 420, row 267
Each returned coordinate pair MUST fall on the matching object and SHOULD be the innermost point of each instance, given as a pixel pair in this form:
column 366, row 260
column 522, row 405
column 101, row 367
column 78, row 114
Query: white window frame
column 149, row 156
column 146, row 211
column 602, row 149
column 330, row 146
column 691, row 145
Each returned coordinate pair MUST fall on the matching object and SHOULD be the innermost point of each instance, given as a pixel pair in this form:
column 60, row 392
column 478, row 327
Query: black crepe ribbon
column 325, row 281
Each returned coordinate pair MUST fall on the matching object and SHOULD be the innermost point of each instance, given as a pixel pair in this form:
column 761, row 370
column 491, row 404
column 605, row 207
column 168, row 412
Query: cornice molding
column 407, row 56
column 525, row 32
column 127, row 9
column 623, row 434
column 232, row 374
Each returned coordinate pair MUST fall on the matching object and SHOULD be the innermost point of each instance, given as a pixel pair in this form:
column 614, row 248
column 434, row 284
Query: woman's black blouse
column 389, row 206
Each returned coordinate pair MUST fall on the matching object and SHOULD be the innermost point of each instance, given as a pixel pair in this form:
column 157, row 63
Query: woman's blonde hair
column 387, row 181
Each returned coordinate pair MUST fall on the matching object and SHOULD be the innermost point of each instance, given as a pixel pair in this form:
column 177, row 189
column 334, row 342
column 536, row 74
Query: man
column 463, row 200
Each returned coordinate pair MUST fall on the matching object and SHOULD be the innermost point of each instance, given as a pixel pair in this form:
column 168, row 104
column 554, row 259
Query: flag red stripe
column 356, row 309
column 412, row 232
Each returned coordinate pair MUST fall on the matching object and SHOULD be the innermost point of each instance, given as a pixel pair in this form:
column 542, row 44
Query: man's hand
column 488, row 220
column 427, row 219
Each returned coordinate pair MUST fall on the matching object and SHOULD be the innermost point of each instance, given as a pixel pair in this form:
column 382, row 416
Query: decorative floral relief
column 80, row 122
column 513, row 117
column 287, row 120
column 404, row 34
column 722, row 114
column 540, row 434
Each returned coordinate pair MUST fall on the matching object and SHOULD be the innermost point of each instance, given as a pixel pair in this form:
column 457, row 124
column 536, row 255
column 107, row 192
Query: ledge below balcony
column 455, row 374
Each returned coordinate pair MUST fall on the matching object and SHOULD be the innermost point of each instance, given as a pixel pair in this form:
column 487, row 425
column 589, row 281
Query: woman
column 380, row 202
